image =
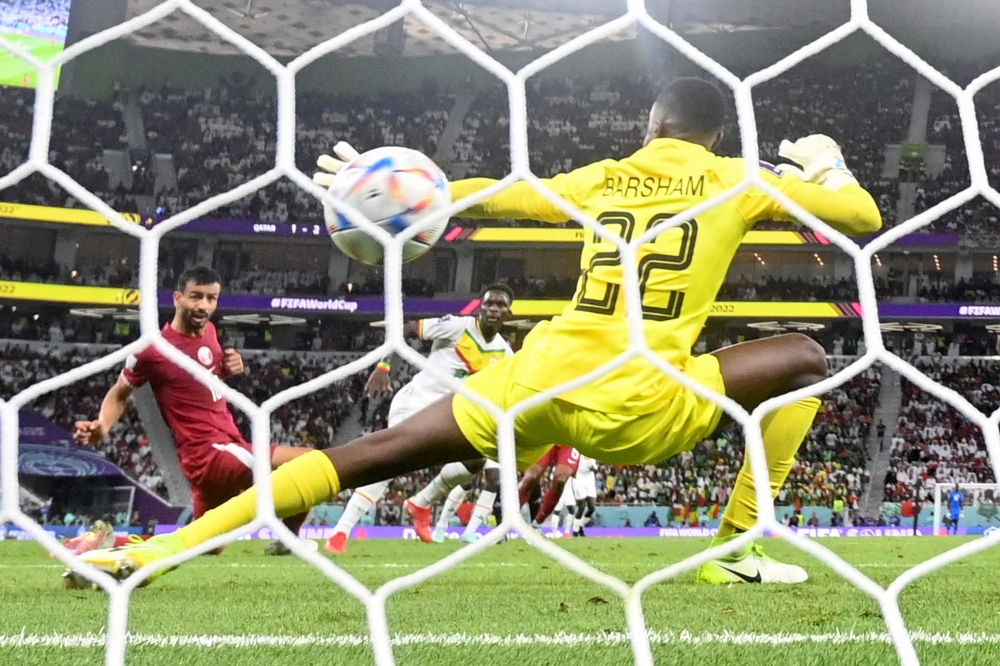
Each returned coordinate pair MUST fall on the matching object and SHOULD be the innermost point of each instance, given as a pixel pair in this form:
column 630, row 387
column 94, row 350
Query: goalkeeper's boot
column 278, row 548
column 440, row 534
column 71, row 580
column 337, row 543
column 421, row 520
column 748, row 565
column 120, row 563
column 101, row 535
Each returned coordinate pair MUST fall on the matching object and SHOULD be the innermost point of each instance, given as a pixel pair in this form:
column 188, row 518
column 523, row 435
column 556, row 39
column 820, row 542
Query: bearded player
column 635, row 413
column 461, row 347
column 214, row 457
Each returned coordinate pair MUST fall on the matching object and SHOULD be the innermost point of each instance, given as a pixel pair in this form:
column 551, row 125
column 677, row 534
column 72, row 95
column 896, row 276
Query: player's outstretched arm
column 115, row 402
column 519, row 201
column 824, row 186
column 380, row 380
column 850, row 209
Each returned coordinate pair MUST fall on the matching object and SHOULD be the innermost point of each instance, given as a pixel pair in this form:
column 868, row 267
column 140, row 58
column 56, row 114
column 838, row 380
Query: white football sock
column 577, row 524
column 569, row 517
column 481, row 514
column 554, row 520
column 455, row 499
column 362, row 501
column 452, row 474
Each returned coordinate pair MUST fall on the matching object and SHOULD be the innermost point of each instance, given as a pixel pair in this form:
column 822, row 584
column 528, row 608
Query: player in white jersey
column 461, row 346
column 564, row 512
column 585, row 492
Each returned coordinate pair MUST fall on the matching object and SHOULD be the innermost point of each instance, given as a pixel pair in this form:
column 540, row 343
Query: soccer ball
column 395, row 188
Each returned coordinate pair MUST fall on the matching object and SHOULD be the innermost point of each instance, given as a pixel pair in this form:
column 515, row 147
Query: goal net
column 515, row 82
column 977, row 508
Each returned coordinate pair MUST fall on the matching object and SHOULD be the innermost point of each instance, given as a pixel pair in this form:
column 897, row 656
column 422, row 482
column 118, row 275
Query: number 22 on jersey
column 660, row 266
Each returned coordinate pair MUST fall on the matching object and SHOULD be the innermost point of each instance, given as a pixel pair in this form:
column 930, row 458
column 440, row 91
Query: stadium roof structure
column 286, row 28
column 289, row 27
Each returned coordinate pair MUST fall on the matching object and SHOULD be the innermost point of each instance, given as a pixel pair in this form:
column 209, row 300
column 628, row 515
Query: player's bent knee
column 474, row 466
column 810, row 358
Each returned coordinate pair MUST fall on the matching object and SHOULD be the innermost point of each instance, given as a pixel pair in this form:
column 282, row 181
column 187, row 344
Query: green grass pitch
column 13, row 69
column 511, row 605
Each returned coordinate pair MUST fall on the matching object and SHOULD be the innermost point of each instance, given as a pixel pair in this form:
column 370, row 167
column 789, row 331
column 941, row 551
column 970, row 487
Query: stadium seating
column 932, row 442
column 311, row 421
column 832, row 461
column 223, row 137
column 81, row 131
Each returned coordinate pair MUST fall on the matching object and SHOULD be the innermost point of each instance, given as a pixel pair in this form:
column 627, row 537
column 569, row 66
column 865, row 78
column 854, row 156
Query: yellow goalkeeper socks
column 783, row 431
column 298, row 485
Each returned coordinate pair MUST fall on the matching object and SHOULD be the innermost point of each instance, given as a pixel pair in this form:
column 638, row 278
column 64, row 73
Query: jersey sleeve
column 440, row 328
column 138, row 369
column 522, row 201
column 850, row 209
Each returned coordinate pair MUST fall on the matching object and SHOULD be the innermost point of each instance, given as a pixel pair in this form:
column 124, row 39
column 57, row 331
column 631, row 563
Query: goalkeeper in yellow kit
column 635, row 413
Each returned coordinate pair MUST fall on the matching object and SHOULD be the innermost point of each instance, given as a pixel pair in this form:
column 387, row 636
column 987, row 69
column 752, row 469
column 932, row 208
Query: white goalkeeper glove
column 331, row 165
column 821, row 160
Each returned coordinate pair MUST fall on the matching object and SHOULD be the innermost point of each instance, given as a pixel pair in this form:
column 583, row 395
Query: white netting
column 285, row 167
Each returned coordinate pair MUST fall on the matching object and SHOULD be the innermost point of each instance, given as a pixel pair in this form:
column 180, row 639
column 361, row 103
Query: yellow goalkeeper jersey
column 679, row 272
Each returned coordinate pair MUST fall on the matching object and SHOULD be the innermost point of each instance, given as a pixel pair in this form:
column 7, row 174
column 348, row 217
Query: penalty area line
column 561, row 639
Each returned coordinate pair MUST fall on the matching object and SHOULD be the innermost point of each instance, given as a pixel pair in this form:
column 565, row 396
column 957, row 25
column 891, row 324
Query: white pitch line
column 561, row 639
column 468, row 565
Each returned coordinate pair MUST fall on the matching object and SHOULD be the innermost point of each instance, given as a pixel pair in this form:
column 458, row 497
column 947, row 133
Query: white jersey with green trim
column 459, row 350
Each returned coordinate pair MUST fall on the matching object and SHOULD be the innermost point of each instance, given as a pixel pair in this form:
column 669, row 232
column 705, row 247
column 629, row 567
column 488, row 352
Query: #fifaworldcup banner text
column 374, row 305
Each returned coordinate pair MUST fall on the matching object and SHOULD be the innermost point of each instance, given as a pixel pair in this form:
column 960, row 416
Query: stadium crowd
column 310, row 421
column 831, row 463
column 222, row 137
column 81, row 131
column 977, row 220
column 979, row 289
column 933, row 442
column 127, row 447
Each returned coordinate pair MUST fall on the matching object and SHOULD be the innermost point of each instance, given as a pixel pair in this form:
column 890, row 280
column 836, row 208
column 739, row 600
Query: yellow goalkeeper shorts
column 679, row 425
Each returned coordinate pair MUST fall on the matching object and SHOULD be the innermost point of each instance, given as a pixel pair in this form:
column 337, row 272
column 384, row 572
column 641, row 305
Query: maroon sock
column 524, row 496
column 548, row 503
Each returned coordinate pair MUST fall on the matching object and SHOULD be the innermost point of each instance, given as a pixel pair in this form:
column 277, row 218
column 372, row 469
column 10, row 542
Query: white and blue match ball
column 395, row 188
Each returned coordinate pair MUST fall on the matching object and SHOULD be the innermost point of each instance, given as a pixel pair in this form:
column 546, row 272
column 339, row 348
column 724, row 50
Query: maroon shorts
column 561, row 456
column 227, row 470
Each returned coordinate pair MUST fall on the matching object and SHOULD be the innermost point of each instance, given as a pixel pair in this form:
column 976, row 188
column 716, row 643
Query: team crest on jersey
column 205, row 355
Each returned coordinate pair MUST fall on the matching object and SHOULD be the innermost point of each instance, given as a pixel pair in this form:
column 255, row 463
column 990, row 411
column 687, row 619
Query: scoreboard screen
column 36, row 26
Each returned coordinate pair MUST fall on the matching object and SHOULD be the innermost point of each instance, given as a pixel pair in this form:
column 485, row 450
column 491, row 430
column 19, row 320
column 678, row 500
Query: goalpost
column 374, row 600
column 982, row 497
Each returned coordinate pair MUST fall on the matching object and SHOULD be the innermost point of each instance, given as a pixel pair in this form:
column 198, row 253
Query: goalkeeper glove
column 331, row 165
column 821, row 160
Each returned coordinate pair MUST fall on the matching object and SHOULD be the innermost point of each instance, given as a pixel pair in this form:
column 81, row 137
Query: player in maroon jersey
column 214, row 457
column 566, row 460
